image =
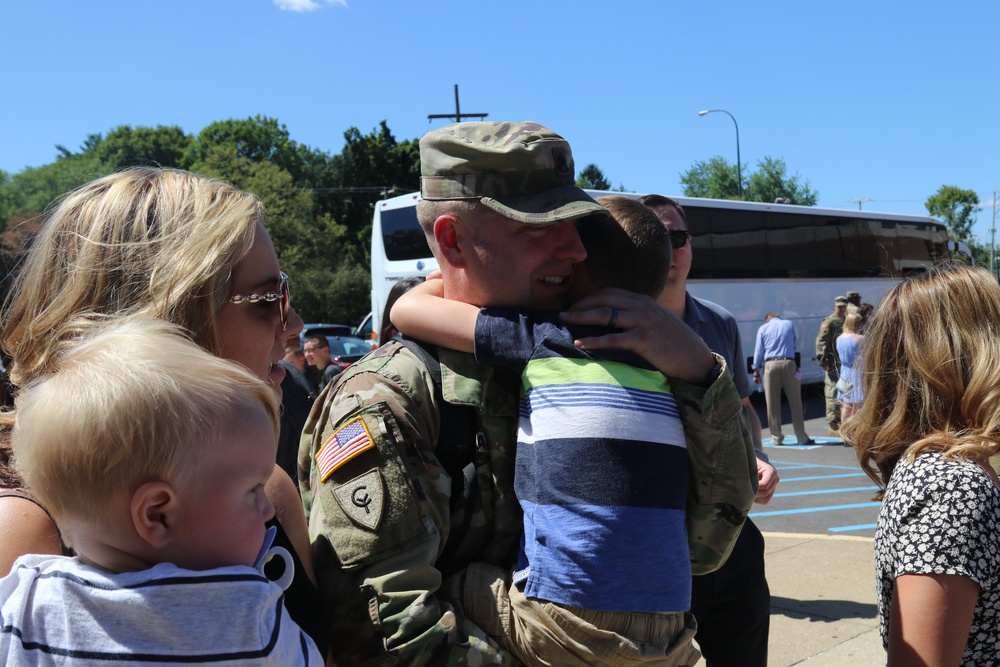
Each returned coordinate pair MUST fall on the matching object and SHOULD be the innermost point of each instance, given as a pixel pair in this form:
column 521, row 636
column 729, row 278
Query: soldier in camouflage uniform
column 853, row 302
column 401, row 546
column 829, row 360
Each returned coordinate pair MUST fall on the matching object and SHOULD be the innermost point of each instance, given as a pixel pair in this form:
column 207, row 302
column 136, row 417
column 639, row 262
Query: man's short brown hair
column 631, row 250
column 659, row 201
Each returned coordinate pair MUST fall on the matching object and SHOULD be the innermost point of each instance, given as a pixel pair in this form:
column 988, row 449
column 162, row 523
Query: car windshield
column 341, row 346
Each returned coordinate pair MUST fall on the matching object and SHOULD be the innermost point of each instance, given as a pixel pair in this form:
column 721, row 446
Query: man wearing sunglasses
column 733, row 604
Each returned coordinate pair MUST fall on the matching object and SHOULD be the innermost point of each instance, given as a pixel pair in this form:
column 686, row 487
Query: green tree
column 31, row 190
column 370, row 167
column 718, row 178
column 125, row 146
column 257, row 139
column 592, row 178
column 771, row 182
column 715, row 178
column 319, row 206
column 958, row 209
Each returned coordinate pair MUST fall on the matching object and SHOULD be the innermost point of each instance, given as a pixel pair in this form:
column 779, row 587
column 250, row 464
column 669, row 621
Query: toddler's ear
column 153, row 507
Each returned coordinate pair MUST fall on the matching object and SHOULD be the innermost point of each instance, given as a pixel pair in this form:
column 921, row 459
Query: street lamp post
column 739, row 171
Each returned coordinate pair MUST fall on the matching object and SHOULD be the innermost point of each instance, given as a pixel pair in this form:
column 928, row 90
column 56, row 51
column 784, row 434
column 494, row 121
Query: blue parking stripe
column 815, row 477
column 807, row 510
column 844, row 529
column 817, row 492
column 791, row 465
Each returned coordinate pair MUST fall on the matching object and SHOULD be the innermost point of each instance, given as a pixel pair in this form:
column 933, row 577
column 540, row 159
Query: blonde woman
column 928, row 425
column 166, row 244
column 849, row 391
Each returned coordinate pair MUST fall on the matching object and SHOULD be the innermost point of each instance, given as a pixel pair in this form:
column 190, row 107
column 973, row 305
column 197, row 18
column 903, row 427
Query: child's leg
column 544, row 633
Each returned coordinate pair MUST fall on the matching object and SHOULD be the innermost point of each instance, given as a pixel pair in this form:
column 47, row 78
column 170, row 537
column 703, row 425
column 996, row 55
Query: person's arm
column 758, row 358
column 767, row 475
column 423, row 313
column 284, row 495
column 822, row 345
column 930, row 618
column 647, row 329
column 381, row 577
column 723, row 472
column 26, row 529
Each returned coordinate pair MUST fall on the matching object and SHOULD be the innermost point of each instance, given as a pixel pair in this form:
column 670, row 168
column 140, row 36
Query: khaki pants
column 545, row 633
column 780, row 374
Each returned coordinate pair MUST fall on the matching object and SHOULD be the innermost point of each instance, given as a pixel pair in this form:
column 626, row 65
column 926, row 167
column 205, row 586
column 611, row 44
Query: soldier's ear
column 450, row 239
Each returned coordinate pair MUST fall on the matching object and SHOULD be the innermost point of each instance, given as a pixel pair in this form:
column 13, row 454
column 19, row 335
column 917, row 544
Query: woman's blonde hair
column 149, row 241
column 131, row 402
column 929, row 371
column 852, row 323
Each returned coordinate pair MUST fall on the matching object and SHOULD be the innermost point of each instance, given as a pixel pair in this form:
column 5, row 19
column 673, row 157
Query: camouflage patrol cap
column 841, row 301
column 853, row 295
column 523, row 171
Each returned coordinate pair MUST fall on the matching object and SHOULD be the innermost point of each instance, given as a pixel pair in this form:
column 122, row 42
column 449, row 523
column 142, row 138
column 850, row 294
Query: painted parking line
column 818, row 492
column 818, row 441
column 808, row 510
column 812, row 478
column 844, row 529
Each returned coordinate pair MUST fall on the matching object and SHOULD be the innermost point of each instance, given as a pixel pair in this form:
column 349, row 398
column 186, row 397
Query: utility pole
column 859, row 201
column 458, row 115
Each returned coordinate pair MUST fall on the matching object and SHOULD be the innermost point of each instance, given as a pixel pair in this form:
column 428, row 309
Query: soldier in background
column 829, row 361
column 853, row 302
column 402, row 545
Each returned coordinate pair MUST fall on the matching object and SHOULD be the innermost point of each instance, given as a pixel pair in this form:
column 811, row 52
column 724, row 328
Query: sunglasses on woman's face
column 679, row 238
column 281, row 296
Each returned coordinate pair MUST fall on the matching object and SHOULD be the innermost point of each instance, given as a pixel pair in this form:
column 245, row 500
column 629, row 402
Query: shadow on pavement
column 822, row 610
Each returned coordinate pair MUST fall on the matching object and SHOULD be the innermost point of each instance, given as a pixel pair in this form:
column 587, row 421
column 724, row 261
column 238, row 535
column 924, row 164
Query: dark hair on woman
column 387, row 331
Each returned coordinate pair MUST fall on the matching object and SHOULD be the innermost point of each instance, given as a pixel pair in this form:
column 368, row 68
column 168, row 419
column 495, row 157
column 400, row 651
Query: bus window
column 402, row 235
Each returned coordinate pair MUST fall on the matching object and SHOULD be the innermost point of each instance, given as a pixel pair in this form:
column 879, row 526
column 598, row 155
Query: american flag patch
column 347, row 442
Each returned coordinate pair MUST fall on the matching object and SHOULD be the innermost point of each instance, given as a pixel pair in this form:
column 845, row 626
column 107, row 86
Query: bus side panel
column 399, row 250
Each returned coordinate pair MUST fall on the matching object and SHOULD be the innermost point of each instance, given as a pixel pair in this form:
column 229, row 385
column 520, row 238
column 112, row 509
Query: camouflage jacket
column 380, row 516
column 826, row 343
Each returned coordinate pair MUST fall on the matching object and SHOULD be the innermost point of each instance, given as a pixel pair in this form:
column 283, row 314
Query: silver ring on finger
column 613, row 320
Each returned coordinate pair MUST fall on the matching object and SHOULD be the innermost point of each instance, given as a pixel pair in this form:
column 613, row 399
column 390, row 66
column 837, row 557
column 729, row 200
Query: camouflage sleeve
column 722, row 482
column 378, row 507
column 822, row 344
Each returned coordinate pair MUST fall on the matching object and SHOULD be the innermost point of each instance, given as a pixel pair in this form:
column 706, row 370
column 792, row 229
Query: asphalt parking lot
column 822, row 489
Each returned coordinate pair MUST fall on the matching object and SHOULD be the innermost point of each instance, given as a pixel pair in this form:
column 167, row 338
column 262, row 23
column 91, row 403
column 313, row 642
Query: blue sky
column 884, row 101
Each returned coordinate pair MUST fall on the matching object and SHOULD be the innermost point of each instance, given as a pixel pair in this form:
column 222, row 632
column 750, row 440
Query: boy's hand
column 432, row 286
column 767, row 482
column 647, row 329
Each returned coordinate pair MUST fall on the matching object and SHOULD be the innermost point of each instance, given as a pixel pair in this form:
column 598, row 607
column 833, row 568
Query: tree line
column 319, row 205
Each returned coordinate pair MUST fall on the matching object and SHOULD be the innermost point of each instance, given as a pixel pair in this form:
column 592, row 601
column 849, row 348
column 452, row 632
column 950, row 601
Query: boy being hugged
column 601, row 469
column 152, row 456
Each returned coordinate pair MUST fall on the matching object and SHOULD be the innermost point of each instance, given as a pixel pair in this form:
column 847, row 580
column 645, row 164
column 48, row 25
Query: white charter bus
column 750, row 258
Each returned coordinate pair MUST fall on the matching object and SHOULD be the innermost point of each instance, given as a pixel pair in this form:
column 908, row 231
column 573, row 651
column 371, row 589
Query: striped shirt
column 601, row 471
column 58, row 611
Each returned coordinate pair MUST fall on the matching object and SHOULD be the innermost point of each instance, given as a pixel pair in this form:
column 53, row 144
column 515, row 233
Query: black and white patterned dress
column 943, row 517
